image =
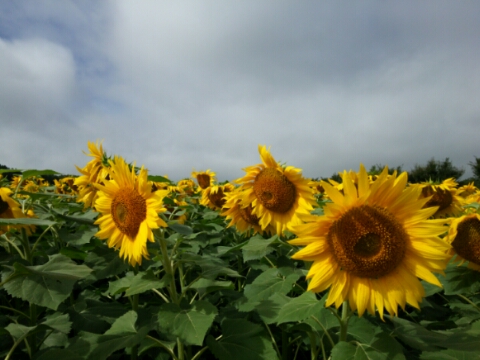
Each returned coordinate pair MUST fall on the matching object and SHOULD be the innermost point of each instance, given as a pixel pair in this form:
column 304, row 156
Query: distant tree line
column 433, row 170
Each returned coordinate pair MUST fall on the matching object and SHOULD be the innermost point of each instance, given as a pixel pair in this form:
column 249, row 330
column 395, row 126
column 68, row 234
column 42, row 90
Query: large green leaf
column 417, row 336
column 461, row 280
column 381, row 347
column 300, row 308
column 122, row 334
column 136, row 284
column 189, row 323
column 271, row 281
column 241, row 340
column 257, row 247
column 45, row 285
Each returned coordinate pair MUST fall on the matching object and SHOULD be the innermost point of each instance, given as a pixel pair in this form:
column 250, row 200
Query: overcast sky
column 177, row 85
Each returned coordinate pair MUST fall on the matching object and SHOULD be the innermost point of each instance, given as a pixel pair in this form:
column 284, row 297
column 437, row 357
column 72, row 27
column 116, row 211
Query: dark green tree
column 475, row 166
column 378, row 168
column 434, row 170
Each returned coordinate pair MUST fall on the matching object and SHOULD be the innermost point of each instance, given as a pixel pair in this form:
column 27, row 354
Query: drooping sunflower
column 242, row 217
column 467, row 190
column 93, row 173
column 204, row 178
column 372, row 244
column 214, row 195
column 129, row 210
column 276, row 194
column 444, row 196
column 10, row 209
column 464, row 236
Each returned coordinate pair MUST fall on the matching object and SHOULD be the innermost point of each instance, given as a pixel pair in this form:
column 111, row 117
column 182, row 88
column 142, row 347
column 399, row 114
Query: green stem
column 26, row 247
column 12, row 244
column 285, row 346
column 468, row 301
column 313, row 345
column 135, row 299
column 344, row 321
column 163, row 347
column 167, row 265
column 273, row 341
column 33, row 322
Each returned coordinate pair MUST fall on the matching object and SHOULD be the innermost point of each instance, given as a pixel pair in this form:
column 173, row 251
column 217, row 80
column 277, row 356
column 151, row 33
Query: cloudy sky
column 177, row 85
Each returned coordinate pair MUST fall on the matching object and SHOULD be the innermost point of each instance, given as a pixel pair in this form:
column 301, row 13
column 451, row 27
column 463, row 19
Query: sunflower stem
column 344, row 321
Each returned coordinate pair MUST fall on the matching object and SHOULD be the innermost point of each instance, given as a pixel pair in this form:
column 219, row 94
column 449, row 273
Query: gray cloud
column 198, row 84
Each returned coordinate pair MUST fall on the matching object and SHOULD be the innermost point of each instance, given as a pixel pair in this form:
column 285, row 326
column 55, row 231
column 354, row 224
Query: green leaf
column 381, row 347
column 29, row 173
column 449, row 355
column 19, row 330
column 463, row 338
column 181, row 229
column 461, row 280
column 344, row 350
column 241, row 340
column 300, row 308
column 190, row 323
column 136, row 284
column 210, row 215
column 58, row 322
column 85, row 218
column 207, row 285
column 45, row 285
column 27, row 221
column 257, row 247
column 59, row 354
column 416, row 336
column 269, row 282
column 270, row 308
column 122, row 334
column 158, row 178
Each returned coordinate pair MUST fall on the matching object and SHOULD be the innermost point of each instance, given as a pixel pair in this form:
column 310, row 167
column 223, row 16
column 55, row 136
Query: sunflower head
column 242, row 217
column 464, row 236
column 204, row 178
column 444, row 196
column 372, row 244
column 129, row 210
column 214, row 196
column 10, row 209
column 95, row 172
column 276, row 194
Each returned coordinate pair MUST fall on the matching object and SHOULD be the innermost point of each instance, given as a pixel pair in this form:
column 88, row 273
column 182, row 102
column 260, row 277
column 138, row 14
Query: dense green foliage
column 207, row 292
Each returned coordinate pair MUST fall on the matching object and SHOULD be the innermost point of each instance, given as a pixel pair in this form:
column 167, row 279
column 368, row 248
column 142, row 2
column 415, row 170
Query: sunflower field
column 116, row 263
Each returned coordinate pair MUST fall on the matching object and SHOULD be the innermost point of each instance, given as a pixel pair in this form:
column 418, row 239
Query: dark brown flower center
column 368, row 241
column 218, row 198
column 128, row 211
column 467, row 241
column 3, row 206
column 246, row 214
column 441, row 198
column 203, row 180
column 274, row 190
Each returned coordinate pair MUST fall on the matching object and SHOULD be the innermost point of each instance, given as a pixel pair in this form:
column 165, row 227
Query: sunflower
column 242, row 217
column 444, row 196
column 464, row 236
column 10, row 209
column 214, row 195
column 276, row 194
column 129, row 210
column 467, row 190
column 204, row 178
column 93, row 173
column 372, row 244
